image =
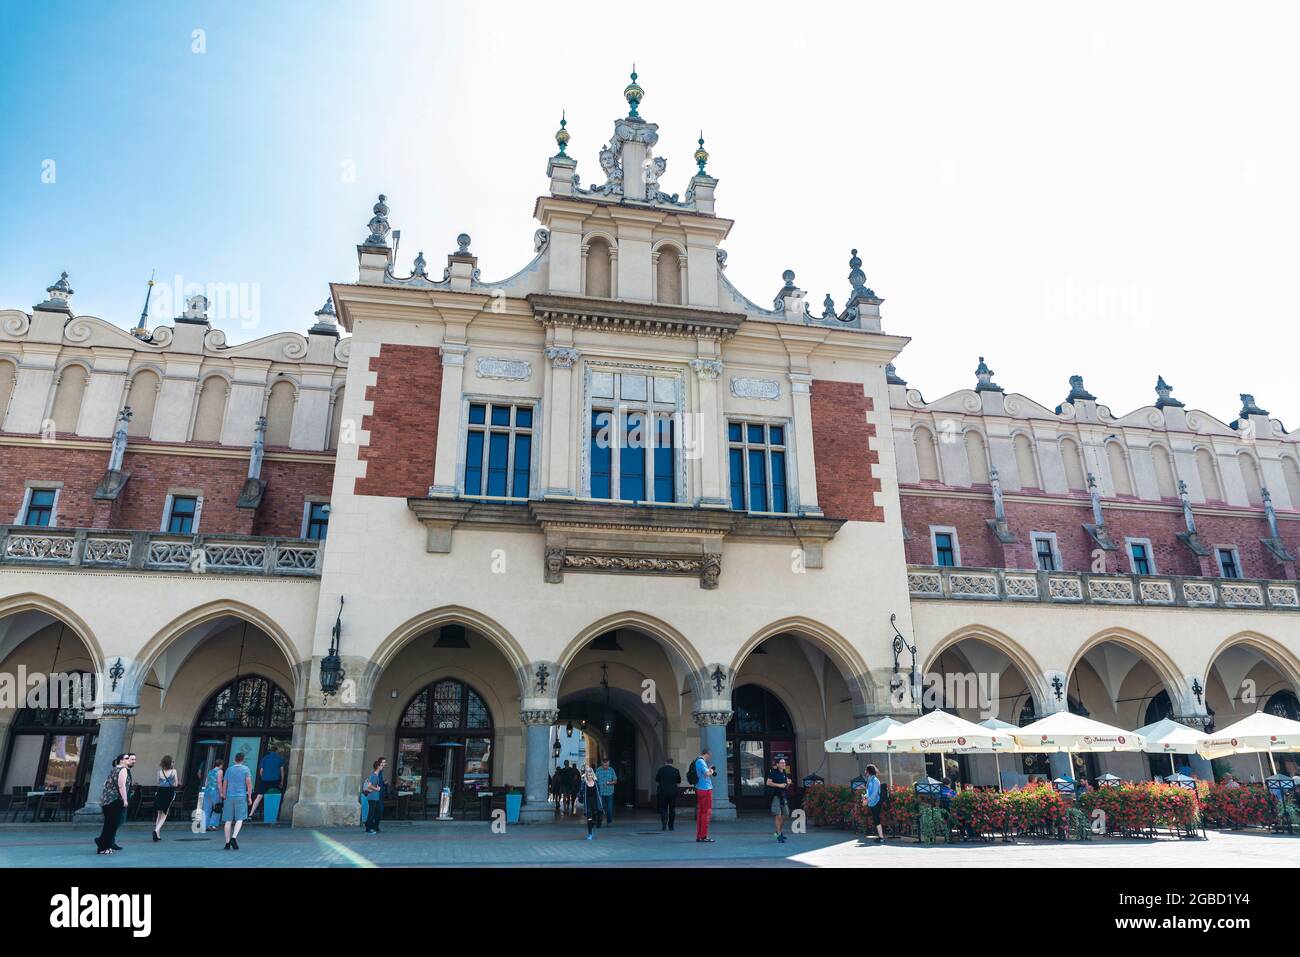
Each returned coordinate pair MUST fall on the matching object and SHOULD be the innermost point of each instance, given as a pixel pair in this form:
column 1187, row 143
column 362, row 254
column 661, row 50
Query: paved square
column 633, row 843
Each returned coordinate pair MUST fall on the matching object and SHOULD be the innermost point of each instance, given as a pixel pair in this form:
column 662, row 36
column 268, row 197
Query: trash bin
column 514, row 801
column 271, row 806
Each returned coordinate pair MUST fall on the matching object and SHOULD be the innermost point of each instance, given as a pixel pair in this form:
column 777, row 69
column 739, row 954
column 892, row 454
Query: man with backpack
column 874, row 799
column 700, row 776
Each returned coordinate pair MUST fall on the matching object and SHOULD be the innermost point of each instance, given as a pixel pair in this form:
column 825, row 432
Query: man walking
column 778, row 785
column 872, row 798
column 703, row 774
column 606, row 778
column 667, row 780
column 374, row 791
column 235, row 786
column 270, row 774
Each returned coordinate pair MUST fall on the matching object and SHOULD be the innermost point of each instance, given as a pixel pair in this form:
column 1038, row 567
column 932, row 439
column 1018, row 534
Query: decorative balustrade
column 998, row 584
column 158, row 551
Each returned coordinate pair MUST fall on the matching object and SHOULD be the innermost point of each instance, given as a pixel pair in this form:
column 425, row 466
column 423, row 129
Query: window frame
column 654, row 410
column 1150, row 556
column 935, row 531
column 308, row 504
column 25, row 507
column 169, row 505
column 1236, row 561
column 487, row 428
column 1050, row 538
column 746, row 446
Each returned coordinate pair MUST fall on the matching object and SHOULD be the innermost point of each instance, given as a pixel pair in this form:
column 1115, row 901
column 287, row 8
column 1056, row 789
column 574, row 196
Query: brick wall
column 846, row 480
column 404, row 425
column 979, row 547
column 141, row 503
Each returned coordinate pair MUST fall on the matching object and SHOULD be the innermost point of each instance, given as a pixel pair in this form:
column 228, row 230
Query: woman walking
column 212, row 786
column 591, row 801
column 235, row 788
column 164, row 795
column 112, row 801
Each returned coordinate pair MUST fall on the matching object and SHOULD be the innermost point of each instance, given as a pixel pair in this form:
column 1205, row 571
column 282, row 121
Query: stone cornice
column 653, row 319
column 1109, row 504
column 141, row 447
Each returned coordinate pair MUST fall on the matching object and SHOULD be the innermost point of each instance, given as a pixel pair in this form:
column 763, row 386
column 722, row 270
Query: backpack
column 885, row 797
column 692, row 775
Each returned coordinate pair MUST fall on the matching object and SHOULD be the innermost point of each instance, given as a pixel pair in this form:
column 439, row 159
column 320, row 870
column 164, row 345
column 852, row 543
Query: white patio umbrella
column 939, row 733
column 855, row 741
column 1169, row 737
column 1064, row 731
column 1260, row 731
column 997, row 724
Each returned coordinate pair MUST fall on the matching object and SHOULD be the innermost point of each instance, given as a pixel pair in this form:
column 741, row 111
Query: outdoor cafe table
column 33, row 803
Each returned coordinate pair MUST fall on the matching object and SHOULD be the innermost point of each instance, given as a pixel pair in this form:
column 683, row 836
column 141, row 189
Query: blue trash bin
column 271, row 806
column 514, row 801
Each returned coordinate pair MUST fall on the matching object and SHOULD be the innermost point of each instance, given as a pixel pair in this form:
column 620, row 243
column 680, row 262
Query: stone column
column 109, row 743
column 453, row 375
column 713, row 736
column 333, row 758
column 705, row 439
column 537, row 757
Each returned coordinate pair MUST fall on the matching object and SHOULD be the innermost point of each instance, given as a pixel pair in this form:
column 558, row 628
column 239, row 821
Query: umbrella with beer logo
column 1260, row 731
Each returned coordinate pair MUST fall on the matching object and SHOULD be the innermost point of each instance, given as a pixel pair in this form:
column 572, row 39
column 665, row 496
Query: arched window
column 759, row 733
column 279, row 413
column 668, row 276
column 53, row 749
column 1283, row 704
column 599, row 269
column 927, row 456
column 1073, row 461
column 336, row 419
column 251, row 716
column 211, row 411
column 68, row 394
column 142, row 398
column 1209, row 475
column 444, row 739
column 8, row 375
column 1250, row 478
column 1119, row 473
column 1159, row 708
column 978, row 457
column 1026, row 462
column 1291, row 472
column 1166, row 484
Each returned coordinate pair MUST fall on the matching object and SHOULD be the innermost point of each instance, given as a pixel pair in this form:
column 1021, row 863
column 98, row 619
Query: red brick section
column 404, row 425
column 846, row 483
column 980, row 548
column 141, row 504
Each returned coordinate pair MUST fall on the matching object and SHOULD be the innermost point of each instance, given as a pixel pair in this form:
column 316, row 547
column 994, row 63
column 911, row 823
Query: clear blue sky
column 1108, row 190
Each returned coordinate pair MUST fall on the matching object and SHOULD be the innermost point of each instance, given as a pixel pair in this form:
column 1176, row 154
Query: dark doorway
column 445, row 739
column 760, row 732
column 615, row 736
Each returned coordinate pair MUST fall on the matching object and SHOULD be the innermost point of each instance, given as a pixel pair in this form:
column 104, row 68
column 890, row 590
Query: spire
column 701, row 156
column 634, row 95
column 562, row 135
column 141, row 330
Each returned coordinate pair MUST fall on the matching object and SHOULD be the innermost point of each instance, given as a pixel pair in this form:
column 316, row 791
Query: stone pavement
column 630, row 843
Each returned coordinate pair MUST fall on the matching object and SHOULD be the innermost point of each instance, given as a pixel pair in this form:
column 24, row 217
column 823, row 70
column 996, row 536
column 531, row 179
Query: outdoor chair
column 47, row 809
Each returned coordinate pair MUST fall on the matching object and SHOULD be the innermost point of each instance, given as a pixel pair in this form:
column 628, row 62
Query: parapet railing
column 25, row 546
column 1081, row 588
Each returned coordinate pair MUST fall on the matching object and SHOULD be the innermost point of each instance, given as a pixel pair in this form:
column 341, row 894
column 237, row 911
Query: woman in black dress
column 165, row 794
column 591, row 801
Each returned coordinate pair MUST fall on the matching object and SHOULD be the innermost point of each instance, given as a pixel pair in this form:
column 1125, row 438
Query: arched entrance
column 760, row 732
column 251, row 715
column 1250, row 673
column 444, row 739
column 52, row 748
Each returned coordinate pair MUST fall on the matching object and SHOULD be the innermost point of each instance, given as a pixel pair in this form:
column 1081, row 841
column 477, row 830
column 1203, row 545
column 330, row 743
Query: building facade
column 607, row 505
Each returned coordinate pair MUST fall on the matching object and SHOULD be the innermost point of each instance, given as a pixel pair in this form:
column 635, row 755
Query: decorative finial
column 858, row 279
column 420, row 267
column 327, row 309
column 701, row 155
column 634, row 95
column 828, row 307
column 1077, row 391
column 462, row 243
column 327, row 322
column 1248, row 406
column 562, row 135
column 57, row 294
column 984, row 376
column 1164, row 394
column 892, row 376
column 378, row 224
